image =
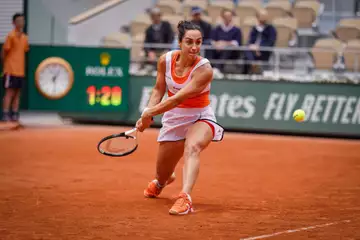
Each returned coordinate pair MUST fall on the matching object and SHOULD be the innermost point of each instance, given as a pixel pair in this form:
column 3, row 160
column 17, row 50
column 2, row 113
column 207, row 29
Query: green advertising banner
column 331, row 109
column 1, row 81
column 78, row 79
column 1, row 73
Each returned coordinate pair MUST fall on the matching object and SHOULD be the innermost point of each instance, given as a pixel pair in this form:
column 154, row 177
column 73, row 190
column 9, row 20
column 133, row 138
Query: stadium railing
column 291, row 64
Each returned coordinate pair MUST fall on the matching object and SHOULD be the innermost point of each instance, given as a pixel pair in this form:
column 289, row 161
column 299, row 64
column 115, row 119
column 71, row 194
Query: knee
column 192, row 149
column 9, row 92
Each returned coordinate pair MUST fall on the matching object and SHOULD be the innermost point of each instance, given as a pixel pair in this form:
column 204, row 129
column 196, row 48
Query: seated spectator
column 204, row 26
column 223, row 36
column 261, row 35
column 158, row 32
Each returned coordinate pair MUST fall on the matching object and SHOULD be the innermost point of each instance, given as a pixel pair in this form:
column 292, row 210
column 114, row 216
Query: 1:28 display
column 105, row 96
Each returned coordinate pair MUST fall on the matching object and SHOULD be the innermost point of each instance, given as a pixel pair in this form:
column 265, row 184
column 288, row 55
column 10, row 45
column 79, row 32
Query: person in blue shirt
column 223, row 36
column 261, row 35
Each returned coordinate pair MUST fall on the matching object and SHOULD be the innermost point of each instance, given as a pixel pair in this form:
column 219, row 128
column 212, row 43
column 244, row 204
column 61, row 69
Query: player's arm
column 200, row 80
column 160, row 86
column 27, row 47
column 6, row 48
column 2, row 56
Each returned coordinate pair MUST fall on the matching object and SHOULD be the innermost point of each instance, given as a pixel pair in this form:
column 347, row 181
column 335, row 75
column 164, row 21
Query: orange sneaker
column 153, row 189
column 182, row 206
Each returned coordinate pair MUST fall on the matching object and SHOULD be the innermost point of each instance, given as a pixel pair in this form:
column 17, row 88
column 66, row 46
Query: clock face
column 54, row 78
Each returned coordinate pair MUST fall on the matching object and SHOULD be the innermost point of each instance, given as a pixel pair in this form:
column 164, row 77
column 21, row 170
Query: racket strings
column 119, row 145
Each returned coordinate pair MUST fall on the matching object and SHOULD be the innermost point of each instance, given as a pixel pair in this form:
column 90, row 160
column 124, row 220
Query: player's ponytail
column 183, row 26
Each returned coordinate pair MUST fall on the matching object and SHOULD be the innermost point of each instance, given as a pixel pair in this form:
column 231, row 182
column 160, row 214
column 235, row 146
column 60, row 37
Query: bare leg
column 16, row 103
column 168, row 156
column 8, row 96
column 198, row 138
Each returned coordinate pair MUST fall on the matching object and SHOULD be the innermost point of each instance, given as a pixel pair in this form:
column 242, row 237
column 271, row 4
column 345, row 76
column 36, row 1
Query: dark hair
column 183, row 26
column 16, row 15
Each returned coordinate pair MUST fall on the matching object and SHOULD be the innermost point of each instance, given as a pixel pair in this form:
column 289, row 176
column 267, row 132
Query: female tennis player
column 189, row 123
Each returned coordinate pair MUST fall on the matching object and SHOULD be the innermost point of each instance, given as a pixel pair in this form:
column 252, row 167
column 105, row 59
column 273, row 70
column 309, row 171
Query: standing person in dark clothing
column 13, row 57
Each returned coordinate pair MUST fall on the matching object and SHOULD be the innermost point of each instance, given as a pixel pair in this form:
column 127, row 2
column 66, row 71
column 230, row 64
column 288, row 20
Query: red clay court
column 55, row 185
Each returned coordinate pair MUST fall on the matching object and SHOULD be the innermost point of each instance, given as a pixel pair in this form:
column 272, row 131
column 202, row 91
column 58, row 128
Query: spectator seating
column 352, row 55
column 169, row 6
column 246, row 9
column 348, row 29
column 117, row 39
column 139, row 24
column 278, row 9
column 286, row 17
column 324, row 60
column 306, row 12
column 137, row 53
column 286, row 31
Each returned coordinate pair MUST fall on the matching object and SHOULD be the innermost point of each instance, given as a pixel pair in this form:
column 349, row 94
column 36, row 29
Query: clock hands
column 54, row 77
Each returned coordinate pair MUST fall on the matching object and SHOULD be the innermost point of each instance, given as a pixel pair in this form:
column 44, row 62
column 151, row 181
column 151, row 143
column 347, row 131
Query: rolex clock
column 54, row 78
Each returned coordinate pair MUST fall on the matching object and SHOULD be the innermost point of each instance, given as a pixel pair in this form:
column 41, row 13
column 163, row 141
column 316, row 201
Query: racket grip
column 130, row 131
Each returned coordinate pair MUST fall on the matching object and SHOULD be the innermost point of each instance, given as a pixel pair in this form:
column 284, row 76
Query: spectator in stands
column 204, row 26
column 223, row 36
column 13, row 59
column 261, row 35
column 159, row 32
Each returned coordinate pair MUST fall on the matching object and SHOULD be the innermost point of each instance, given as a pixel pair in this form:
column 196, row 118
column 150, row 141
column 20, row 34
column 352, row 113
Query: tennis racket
column 119, row 145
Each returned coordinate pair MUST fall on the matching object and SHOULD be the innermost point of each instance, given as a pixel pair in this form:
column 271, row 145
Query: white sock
column 189, row 197
column 158, row 184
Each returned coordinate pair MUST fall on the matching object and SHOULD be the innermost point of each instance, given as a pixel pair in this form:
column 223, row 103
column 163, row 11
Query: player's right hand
column 143, row 123
column 139, row 125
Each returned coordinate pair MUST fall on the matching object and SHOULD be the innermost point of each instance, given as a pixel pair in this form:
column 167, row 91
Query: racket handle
column 131, row 131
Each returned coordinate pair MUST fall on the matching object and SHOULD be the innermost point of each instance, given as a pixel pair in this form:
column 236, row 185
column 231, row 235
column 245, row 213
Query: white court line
column 295, row 230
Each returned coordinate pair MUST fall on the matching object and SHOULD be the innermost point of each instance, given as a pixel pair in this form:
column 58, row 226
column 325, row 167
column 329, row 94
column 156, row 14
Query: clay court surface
column 55, row 185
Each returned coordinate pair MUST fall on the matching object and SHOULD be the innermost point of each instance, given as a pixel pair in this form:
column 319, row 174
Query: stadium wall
column 103, row 92
column 89, row 28
column 48, row 19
